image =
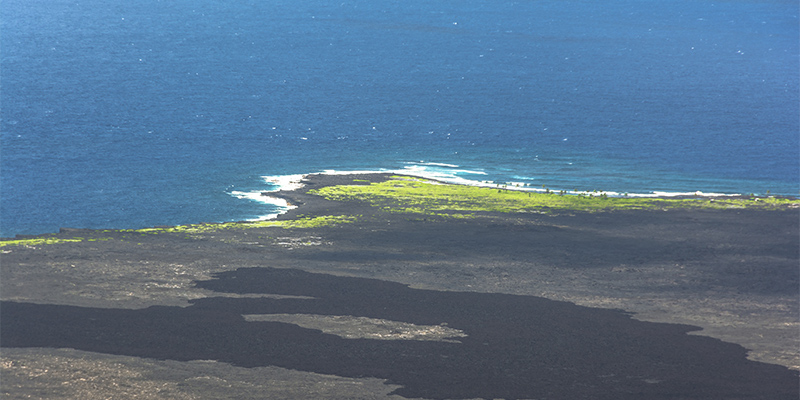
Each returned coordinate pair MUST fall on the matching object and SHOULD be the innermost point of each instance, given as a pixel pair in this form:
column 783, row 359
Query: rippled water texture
column 128, row 114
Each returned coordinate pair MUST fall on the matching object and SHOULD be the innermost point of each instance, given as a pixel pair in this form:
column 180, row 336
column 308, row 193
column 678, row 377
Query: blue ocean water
column 126, row 114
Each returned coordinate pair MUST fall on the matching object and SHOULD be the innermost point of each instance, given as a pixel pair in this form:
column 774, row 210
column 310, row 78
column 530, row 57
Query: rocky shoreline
column 590, row 304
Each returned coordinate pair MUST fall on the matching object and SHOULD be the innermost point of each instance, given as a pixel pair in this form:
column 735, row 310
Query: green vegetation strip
column 38, row 241
column 419, row 196
column 306, row 222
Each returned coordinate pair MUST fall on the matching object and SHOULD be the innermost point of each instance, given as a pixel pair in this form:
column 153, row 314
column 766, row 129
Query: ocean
column 128, row 114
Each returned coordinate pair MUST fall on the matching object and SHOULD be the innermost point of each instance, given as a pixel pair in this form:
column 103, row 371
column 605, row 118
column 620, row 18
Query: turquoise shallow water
column 130, row 114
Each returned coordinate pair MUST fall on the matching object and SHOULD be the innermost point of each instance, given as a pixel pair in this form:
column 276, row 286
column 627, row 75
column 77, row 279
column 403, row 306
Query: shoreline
column 730, row 272
column 292, row 182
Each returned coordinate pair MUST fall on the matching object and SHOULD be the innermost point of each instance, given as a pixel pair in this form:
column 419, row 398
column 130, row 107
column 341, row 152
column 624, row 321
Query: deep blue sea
column 135, row 113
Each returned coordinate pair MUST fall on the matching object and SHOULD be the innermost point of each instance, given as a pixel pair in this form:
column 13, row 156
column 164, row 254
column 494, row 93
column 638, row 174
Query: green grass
column 38, row 241
column 194, row 229
column 305, row 222
column 419, row 196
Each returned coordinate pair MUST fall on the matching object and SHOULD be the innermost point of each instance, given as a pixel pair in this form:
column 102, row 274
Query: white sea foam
column 352, row 172
column 434, row 171
column 258, row 196
column 253, row 196
column 441, row 172
column 278, row 182
column 434, row 164
column 284, row 182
